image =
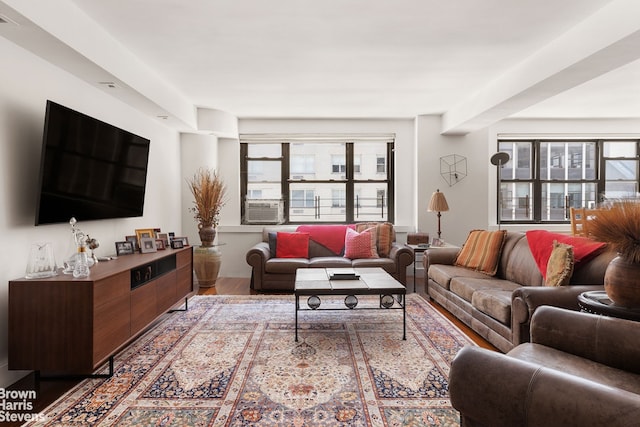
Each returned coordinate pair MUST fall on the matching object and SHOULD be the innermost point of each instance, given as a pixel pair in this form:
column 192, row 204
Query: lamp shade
column 438, row 203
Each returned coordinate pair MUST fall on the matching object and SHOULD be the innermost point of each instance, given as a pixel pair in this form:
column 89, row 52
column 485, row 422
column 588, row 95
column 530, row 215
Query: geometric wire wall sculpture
column 453, row 168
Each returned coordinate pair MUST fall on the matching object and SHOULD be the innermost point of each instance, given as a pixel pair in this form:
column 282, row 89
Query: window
column 320, row 178
column 543, row 179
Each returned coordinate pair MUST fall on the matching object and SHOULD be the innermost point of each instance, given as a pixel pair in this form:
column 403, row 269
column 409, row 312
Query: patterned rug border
column 432, row 409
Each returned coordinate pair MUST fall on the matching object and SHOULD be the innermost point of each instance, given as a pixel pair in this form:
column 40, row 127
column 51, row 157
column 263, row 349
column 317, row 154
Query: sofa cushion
column 560, row 265
column 292, row 245
column 360, row 245
column 388, row 264
column 494, row 302
column 443, row 273
column 464, row 287
column 329, row 262
column 285, row 265
column 481, row 251
column 541, row 245
column 385, row 235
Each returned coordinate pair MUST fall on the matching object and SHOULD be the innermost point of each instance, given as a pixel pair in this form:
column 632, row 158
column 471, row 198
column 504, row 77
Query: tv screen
column 89, row 169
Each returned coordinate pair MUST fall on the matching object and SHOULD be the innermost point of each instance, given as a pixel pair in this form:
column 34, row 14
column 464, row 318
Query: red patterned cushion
column 541, row 245
column 385, row 235
column 292, row 245
column 360, row 245
column 481, row 251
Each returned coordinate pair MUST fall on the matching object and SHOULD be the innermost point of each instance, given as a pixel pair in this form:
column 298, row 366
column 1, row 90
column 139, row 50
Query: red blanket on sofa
column 331, row 236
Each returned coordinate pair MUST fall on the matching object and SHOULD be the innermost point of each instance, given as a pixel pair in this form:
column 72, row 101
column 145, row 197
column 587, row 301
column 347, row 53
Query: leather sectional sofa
column 579, row 370
column 499, row 307
column 271, row 273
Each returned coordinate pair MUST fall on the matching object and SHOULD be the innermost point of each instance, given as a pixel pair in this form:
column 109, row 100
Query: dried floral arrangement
column 209, row 193
column 619, row 226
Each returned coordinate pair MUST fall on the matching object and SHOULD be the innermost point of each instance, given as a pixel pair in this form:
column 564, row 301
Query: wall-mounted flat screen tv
column 89, row 169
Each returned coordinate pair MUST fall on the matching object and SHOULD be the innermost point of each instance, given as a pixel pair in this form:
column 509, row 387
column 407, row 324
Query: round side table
column 597, row 302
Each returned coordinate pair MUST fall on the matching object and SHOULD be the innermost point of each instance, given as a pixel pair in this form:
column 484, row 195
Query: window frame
column 536, row 181
column 350, row 177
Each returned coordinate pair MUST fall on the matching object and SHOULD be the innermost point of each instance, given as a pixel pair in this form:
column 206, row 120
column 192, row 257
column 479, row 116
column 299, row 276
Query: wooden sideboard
column 73, row 326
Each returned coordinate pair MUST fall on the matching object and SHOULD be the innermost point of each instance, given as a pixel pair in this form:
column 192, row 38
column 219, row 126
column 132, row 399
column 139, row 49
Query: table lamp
column 438, row 204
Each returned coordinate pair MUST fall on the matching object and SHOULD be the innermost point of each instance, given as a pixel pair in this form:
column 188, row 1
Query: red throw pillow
column 541, row 245
column 360, row 245
column 292, row 245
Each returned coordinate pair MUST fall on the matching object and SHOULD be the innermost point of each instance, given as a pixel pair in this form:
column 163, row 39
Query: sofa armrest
column 607, row 340
column 493, row 389
column 256, row 257
column 525, row 301
column 439, row 256
column 402, row 255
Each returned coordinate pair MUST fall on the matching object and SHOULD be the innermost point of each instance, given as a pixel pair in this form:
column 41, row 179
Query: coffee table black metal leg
column 404, row 318
column 297, row 308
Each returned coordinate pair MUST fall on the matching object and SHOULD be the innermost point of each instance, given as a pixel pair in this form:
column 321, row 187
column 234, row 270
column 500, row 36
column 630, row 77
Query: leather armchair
column 578, row 370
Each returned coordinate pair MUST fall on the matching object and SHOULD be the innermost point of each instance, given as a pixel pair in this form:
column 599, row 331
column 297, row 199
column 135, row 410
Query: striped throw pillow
column 481, row 251
column 385, row 235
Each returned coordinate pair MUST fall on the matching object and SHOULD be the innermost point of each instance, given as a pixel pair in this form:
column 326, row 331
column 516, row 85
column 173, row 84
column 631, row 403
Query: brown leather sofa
column 499, row 308
column 579, row 370
column 270, row 273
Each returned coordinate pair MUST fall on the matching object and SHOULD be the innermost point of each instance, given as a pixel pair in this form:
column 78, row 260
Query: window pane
column 621, row 169
column 264, row 191
column 620, row 148
column 273, row 151
column 319, row 201
column 302, row 166
column 515, row 203
column 372, row 159
column 328, row 160
column 370, row 202
column 520, row 156
column 263, row 171
column 582, row 195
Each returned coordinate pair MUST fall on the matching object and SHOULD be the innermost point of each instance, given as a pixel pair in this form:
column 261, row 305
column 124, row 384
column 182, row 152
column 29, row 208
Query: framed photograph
column 124, row 248
column 436, row 242
column 145, row 232
column 134, row 242
column 177, row 244
column 160, row 244
column 185, row 240
column 165, row 238
column 148, row 244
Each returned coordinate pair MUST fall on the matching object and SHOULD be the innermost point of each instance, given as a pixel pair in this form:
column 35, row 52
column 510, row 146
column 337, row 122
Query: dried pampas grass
column 209, row 192
column 619, row 226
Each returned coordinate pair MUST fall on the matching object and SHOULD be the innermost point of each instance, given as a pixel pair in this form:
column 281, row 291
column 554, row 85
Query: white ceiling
column 473, row 61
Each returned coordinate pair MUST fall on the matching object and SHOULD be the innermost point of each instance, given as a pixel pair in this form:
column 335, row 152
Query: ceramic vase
column 622, row 282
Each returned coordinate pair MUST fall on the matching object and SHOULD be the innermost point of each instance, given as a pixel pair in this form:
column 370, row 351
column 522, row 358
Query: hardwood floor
column 48, row 390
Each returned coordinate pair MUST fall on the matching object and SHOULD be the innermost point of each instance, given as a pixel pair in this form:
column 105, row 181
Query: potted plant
column 209, row 192
column 619, row 226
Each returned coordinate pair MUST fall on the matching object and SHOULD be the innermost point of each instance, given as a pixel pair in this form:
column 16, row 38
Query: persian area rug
column 233, row 361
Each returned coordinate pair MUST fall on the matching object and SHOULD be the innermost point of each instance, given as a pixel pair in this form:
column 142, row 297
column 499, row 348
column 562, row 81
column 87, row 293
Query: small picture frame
column 165, row 239
column 437, row 242
column 185, row 240
column 160, row 245
column 145, row 232
column 134, row 242
column 147, row 245
column 177, row 244
column 124, row 248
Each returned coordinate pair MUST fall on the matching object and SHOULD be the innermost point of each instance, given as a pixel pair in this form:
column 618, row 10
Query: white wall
column 468, row 198
column 27, row 82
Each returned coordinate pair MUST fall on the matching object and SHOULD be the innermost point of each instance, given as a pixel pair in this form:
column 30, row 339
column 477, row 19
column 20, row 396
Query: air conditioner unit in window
column 263, row 212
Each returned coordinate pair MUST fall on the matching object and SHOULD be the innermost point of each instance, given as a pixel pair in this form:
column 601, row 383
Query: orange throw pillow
column 481, row 251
